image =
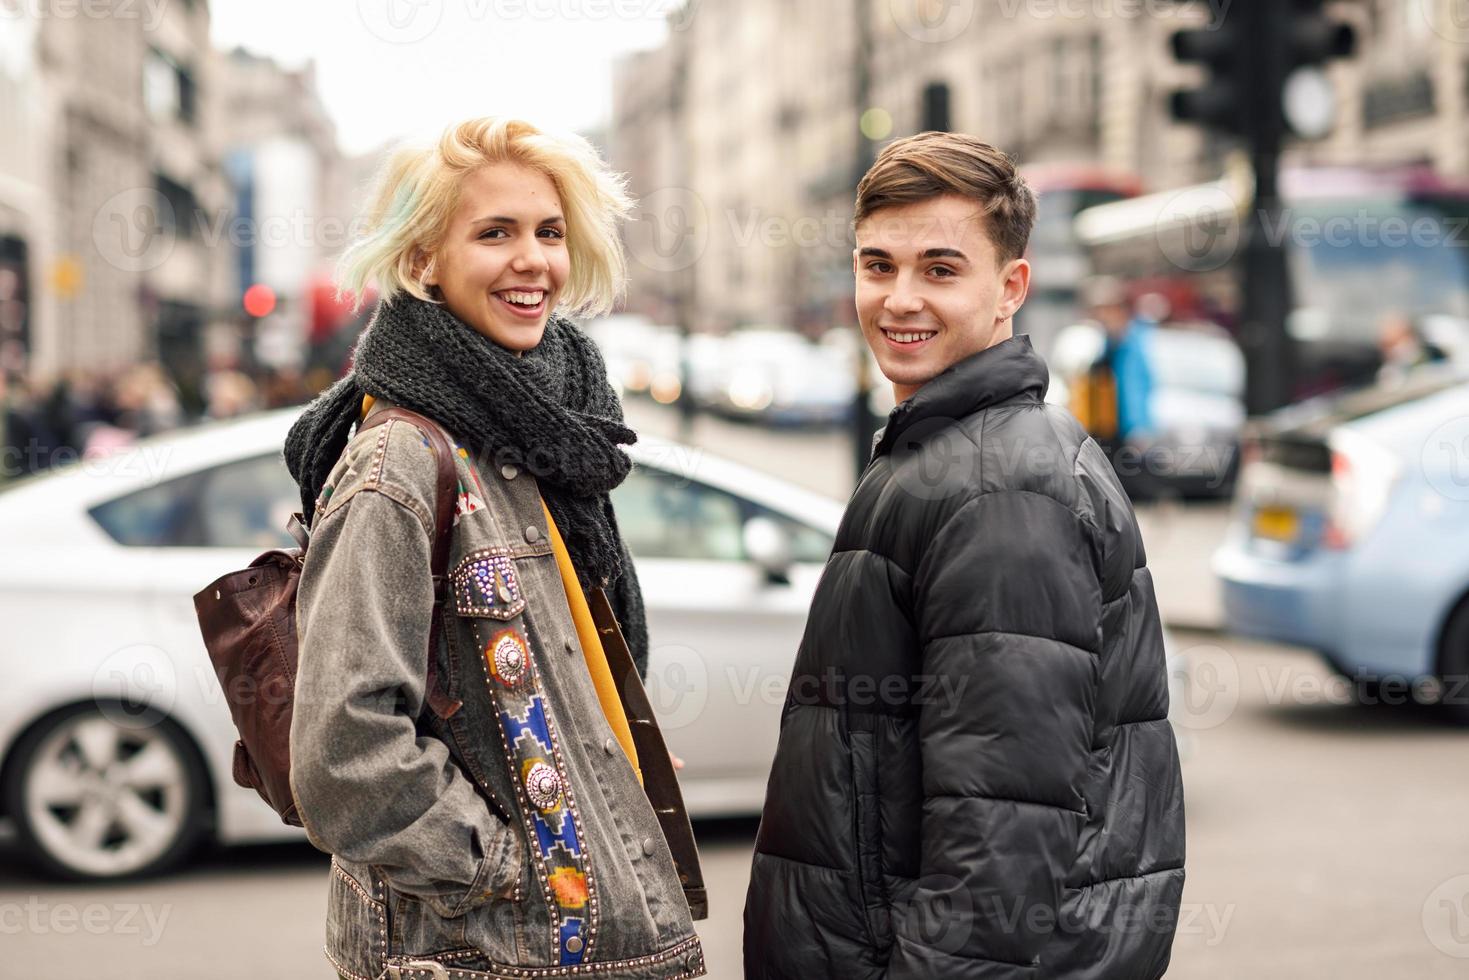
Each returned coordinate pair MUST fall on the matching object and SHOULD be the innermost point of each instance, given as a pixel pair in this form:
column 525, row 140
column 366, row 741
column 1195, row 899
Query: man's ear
column 1015, row 286
column 856, row 263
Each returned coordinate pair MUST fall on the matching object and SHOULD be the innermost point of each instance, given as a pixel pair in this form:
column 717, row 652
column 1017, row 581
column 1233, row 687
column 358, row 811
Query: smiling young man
column 976, row 776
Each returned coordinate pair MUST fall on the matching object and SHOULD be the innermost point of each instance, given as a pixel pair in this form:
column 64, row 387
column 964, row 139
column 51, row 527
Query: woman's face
column 504, row 261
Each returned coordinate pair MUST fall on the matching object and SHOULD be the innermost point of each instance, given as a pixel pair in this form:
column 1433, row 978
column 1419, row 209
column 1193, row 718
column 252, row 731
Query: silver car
column 115, row 738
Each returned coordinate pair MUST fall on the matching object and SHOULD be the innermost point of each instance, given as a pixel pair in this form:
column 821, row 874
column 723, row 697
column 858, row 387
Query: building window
column 182, row 219
column 169, row 91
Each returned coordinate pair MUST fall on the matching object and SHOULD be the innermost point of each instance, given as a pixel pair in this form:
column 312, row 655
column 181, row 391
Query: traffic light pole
column 864, row 425
column 1264, row 277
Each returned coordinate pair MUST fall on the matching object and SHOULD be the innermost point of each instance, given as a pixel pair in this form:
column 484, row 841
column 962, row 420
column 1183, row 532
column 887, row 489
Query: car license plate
column 1277, row 523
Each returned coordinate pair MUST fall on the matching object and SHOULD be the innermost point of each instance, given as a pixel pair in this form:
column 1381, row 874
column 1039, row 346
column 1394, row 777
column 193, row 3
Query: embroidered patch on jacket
column 485, row 585
column 508, row 657
column 471, row 498
column 550, row 812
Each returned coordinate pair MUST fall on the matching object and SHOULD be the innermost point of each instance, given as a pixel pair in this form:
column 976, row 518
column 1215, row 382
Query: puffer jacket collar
column 1008, row 371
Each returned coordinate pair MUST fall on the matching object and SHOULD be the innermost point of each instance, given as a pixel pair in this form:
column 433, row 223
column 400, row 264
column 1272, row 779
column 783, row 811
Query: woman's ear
column 425, row 270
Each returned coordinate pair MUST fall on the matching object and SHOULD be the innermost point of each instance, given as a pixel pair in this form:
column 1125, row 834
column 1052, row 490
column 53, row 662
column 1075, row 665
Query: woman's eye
column 552, row 233
column 493, row 233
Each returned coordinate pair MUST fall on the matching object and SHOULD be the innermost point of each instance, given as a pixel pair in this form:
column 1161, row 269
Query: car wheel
column 1453, row 664
column 100, row 791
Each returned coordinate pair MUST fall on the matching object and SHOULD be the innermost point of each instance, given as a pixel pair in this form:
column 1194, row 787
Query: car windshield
column 1354, row 263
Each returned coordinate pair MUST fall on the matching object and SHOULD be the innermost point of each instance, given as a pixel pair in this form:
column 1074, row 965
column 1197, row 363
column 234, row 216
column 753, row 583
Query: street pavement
column 1326, row 839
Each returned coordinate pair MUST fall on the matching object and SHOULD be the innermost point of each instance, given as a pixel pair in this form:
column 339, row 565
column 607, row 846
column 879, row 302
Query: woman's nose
column 529, row 258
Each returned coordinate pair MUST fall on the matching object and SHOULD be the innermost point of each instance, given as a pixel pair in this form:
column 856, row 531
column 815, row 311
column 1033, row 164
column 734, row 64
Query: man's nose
column 903, row 300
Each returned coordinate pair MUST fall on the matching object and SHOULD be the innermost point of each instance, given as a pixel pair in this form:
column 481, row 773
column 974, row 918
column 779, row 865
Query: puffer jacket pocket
column 866, row 807
column 356, row 921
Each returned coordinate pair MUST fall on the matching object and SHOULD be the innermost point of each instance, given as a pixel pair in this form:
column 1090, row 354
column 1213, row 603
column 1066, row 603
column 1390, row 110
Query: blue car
column 1351, row 537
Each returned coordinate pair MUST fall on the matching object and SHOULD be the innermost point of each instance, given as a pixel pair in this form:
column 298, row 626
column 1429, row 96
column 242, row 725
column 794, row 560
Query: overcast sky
column 396, row 68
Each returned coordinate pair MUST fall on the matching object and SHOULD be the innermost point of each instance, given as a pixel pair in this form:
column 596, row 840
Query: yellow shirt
column 586, row 632
column 591, row 647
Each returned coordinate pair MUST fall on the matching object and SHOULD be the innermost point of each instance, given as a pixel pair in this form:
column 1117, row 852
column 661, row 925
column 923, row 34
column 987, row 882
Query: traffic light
column 1223, row 50
column 935, row 108
column 1264, row 61
column 1311, row 38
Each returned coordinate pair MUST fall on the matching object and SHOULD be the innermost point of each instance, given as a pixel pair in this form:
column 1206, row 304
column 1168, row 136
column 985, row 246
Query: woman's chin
column 516, row 337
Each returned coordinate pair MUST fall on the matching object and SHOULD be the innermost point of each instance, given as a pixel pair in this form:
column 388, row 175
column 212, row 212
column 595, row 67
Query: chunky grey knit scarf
column 550, row 412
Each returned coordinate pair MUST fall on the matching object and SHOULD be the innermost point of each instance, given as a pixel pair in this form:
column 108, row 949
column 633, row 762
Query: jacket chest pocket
column 487, row 586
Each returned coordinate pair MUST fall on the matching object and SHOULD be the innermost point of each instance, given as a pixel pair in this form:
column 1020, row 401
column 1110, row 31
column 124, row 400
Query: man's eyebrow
column 873, row 253
column 945, row 253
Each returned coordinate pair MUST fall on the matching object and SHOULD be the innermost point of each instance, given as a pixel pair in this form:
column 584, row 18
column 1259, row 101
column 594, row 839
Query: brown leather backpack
column 248, row 619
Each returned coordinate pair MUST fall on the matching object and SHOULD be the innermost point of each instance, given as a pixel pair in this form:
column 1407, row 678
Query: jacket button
column 532, row 534
column 570, row 647
column 648, row 847
column 509, row 472
column 573, row 944
column 611, row 746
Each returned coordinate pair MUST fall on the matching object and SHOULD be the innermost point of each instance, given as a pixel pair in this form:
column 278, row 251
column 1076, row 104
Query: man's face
column 931, row 289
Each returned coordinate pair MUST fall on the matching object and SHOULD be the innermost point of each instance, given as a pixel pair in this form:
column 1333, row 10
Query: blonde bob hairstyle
column 417, row 191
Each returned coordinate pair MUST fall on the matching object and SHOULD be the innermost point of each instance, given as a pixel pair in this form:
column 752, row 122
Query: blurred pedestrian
column 475, row 792
column 976, row 775
column 1403, row 349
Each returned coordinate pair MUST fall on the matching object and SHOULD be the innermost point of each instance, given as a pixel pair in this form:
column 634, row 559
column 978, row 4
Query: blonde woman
column 471, row 764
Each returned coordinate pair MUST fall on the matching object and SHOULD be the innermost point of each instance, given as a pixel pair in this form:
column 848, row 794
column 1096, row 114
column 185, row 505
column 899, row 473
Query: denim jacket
column 513, row 839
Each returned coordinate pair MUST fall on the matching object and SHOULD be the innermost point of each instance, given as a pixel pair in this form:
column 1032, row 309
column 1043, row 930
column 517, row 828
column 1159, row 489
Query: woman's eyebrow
column 505, row 219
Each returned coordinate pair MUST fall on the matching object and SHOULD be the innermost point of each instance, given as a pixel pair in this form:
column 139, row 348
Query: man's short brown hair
column 929, row 165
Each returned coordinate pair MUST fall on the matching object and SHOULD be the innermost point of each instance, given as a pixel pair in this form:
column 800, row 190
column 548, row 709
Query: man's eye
column 881, row 267
column 942, row 271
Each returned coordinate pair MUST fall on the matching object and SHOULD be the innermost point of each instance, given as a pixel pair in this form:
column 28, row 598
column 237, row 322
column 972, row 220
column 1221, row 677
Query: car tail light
column 1363, row 475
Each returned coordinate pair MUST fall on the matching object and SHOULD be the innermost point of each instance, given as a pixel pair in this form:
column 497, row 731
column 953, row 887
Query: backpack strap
column 447, row 494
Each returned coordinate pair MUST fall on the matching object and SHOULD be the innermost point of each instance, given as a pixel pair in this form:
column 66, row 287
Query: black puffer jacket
column 976, row 776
